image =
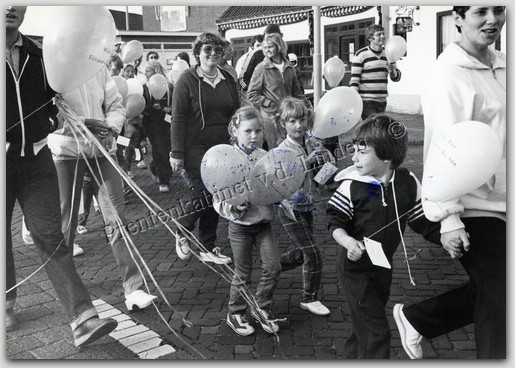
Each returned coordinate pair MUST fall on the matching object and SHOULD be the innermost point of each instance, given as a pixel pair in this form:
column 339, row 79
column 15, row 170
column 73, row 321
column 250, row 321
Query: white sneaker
column 138, row 299
column 163, row 188
column 81, row 229
column 215, row 256
column 239, row 324
column 263, row 317
column 182, row 248
column 77, row 251
column 410, row 338
column 25, row 234
column 316, row 308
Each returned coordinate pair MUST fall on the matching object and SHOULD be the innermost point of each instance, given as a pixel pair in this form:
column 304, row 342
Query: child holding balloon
column 296, row 119
column 249, row 226
column 367, row 216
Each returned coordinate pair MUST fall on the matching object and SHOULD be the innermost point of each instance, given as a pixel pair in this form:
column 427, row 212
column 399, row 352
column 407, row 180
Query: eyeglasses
column 357, row 145
column 152, row 57
column 208, row 49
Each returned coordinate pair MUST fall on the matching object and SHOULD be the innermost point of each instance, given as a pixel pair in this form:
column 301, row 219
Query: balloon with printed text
column 77, row 42
column 334, row 71
column 131, row 51
column 157, row 86
column 460, row 160
column 225, row 172
column 337, row 112
column 276, row 176
column 395, row 48
column 134, row 105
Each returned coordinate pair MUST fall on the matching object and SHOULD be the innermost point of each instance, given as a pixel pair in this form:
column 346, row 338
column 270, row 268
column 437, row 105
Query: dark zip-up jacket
column 363, row 206
column 28, row 94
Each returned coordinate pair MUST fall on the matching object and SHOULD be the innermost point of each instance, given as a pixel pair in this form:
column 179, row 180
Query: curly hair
column 205, row 38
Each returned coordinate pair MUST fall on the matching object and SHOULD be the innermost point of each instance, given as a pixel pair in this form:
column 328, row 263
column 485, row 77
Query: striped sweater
column 364, row 207
column 369, row 72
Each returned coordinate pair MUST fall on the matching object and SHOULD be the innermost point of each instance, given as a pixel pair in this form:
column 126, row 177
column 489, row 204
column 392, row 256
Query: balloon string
column 29, row 115
column 227, row 274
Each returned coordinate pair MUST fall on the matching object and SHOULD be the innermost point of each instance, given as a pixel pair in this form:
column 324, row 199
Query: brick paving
column 199, row 295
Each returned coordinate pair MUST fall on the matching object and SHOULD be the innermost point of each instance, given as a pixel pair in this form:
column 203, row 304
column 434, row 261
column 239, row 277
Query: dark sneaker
column 239, row 324
column 264, row 318
column 92, row 330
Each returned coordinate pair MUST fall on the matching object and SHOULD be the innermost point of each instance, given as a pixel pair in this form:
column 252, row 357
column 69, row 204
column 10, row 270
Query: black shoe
column 264, row 318
column 92, row 330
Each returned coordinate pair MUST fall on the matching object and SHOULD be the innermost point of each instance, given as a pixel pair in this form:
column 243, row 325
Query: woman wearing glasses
column 272, row 80
column 205, row 98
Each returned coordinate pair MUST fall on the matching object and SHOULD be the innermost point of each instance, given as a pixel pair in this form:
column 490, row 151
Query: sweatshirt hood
column 455, row 55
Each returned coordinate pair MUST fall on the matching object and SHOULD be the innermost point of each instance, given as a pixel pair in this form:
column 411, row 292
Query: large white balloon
column 132, row 51
column 77, row 43
column 334, row 71
column 276, row 176
column 395, row 48
column 134, row 87
column 178, row 67
column 157, row 86
column 337, row 112
column 225, row 172
column 134, row 105
column 460, row 160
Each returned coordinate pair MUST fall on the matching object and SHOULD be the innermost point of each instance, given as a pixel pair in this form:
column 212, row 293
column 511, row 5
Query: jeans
column 110, row 191
column 243, row 238
column 197, row 205
column 160, row 139
column 306, row 253
column 89, row 190
column 33, row 182
column 481, row 301
column 367, row 291
column 372, row 107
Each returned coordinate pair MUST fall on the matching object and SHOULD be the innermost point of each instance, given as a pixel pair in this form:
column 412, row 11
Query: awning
column 248, row 17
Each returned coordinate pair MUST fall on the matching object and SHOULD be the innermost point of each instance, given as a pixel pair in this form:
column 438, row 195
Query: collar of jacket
column 268, row 64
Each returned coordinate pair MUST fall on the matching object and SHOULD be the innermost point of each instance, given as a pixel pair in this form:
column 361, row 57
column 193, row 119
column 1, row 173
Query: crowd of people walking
column 256, row 106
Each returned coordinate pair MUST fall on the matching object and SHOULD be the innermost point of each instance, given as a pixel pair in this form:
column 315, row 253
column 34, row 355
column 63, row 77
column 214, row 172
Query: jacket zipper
column 20, row 109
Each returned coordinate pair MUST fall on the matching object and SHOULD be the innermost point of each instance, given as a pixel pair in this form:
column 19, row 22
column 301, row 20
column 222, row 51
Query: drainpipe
column 127, row 18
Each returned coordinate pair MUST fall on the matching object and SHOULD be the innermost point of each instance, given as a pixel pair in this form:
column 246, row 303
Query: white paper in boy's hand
column 325, row 173
column 375, row 253
column 123, row 141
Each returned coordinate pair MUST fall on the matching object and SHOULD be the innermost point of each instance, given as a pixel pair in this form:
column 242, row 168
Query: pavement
column 193, row 326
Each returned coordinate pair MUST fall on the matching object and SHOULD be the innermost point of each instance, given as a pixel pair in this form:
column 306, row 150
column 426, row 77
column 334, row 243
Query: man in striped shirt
column 370, row 70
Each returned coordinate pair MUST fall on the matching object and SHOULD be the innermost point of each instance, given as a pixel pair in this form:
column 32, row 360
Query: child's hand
column 243, row 207
column 354, row 248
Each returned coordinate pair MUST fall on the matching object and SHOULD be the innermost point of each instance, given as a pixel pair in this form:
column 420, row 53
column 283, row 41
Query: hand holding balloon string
column 98, row 127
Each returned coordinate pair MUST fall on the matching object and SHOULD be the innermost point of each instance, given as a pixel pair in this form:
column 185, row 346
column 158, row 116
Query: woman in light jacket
column 273, row 79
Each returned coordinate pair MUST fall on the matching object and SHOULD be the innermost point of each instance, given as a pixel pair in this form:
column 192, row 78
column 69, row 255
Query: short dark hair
column 116, row 60
column 388, row 137
column 205, row 39
column 369, row 32
column 258, row 38
column 272, row 28
column 460, row 10
column 184, row 56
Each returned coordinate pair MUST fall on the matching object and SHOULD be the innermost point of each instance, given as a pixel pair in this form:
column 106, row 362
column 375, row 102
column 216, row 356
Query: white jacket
column 98, row 99
column 462, row 88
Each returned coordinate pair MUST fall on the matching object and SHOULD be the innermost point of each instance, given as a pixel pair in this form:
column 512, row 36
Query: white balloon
column 276, row 176
column 134, row 87
column 460, row 160
column 77, row 43
column 224, row 172
column 178, row 67
column 142, row 78
column 395, row 48
column 334, row 71
column 132, row 51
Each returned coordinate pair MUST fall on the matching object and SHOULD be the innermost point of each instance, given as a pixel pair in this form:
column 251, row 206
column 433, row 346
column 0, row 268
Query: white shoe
column 240, row 324
column 182, row 248
column 25, row 235
column 263, row 317
column 215, row 256
column 138, row 299
column 81, row 229
column 316, row 308
column 410, row 338
column 163, row 188
column 77, row 251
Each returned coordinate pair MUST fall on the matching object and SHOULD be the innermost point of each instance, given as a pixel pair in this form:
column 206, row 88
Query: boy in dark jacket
column 373, row 203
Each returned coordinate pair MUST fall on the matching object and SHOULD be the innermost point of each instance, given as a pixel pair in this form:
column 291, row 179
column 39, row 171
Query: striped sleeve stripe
column 416, row 212
column 339, row 207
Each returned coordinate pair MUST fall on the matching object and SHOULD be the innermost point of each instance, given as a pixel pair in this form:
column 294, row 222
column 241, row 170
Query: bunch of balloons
column 227, row 175
column 460, row 160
